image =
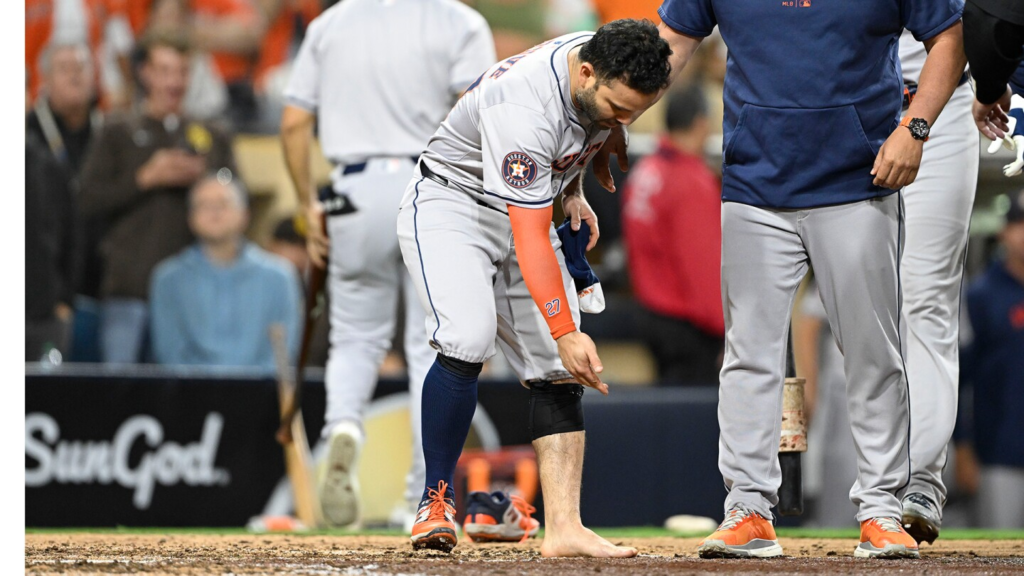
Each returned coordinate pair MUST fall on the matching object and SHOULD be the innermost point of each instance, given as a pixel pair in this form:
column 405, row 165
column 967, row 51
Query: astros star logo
column 518, row 170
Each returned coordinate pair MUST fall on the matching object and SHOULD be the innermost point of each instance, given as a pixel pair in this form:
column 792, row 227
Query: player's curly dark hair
column 630, row 51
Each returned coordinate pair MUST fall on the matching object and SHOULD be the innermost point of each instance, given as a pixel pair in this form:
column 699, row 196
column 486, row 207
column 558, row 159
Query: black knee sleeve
column 555, row 408
column 460, row 367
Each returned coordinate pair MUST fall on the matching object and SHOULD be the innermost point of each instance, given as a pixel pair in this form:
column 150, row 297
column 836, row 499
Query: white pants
column 854, row 249
column 463, row 263
column 366, row 276
column 937, row 212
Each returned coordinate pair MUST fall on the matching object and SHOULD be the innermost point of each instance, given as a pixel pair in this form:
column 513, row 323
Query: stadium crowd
column 139, row 247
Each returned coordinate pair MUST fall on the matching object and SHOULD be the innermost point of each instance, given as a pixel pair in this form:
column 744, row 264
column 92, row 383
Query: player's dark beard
column 586, row 99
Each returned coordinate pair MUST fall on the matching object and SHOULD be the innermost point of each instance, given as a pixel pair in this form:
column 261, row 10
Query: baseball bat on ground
column 793, row 441
column 297, row 459
column 313, row 308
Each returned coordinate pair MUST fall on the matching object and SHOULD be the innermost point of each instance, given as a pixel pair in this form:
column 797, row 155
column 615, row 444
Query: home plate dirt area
column 152, row 553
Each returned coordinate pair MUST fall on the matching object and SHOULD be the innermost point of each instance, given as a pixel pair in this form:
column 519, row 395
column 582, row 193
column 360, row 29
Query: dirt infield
column 382, row 555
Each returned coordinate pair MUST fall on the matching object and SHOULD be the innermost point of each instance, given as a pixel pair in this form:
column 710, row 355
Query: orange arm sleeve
column 541, row 272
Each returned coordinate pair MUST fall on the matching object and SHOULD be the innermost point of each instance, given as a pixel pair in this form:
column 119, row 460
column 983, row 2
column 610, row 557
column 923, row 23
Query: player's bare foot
column 580, row 541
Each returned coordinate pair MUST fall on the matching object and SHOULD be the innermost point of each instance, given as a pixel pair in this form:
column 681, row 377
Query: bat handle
column 791, row 492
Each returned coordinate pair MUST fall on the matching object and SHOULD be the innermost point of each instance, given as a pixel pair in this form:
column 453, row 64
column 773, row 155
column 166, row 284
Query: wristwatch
column 918, row 127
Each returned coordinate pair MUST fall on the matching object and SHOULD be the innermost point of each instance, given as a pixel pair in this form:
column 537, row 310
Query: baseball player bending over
column 476, row 234
column 815, row 154
column 377, row 78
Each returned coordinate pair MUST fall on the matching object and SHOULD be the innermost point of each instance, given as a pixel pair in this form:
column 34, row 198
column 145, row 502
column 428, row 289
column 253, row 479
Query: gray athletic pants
column 366, row 277
column 854, row 250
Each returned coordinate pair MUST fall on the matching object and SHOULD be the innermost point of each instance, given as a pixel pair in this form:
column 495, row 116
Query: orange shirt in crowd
column 232, row 67
column 39, row 28
column 608, row 10
column 278, row 39
column 138, row 15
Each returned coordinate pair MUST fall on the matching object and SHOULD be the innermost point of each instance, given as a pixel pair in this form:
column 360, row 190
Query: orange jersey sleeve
column 541, row 272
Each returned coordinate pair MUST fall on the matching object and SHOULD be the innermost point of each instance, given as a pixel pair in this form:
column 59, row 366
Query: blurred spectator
column 672, row 230
column 213, row 304
column 50, row 257
column 232, row 32
column 64, row 116
column 286, row 19
column 990, row 459
column 138, row 174
column 102, row 25
column 206, row 97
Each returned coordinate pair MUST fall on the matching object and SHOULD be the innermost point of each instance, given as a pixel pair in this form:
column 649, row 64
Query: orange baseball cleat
column 496, row 517
column 743, row 534
column 434, row 528
column 885, row 538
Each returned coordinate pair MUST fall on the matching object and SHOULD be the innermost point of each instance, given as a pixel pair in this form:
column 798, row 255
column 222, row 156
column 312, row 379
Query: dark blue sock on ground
column 449, row 401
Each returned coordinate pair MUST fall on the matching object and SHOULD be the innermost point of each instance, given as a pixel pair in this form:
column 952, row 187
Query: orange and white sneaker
column 498, row 517
column 434, row 528
column 743, row 534
column 885, row 538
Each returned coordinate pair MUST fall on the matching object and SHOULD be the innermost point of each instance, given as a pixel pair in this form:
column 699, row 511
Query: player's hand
column 579, row 356
column 317, row 243
column 898, row 160
column 577, row 209
column 617, row 143
column 991, row 119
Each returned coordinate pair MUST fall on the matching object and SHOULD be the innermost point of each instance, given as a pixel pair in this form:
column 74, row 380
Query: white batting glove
column 1014, row 139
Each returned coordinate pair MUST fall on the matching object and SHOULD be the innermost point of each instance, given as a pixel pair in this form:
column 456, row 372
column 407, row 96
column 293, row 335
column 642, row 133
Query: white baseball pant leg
column 938, row 210
column 365, row 277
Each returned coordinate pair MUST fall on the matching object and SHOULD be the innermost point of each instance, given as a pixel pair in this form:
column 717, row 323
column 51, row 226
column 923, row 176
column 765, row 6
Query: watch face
column 918, row 128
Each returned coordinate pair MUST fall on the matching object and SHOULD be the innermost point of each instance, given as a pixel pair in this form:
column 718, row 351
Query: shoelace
column 888, row 524
column 439, row 507
column 735, row 516
column 526, row 510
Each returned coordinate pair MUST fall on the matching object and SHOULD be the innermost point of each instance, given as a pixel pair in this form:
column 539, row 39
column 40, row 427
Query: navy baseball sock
column 449, row 401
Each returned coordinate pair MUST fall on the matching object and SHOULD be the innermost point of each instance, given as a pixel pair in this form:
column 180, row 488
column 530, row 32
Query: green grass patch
column 616, row 533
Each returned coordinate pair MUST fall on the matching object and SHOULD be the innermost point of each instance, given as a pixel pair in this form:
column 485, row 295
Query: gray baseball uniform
column 381, row 75
column 938, row 211
column 514, row 139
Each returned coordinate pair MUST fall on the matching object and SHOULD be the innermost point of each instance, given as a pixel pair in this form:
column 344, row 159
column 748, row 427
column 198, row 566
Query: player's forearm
column 682, row 46
column 297, row 141
column 575, row 187
column 539, row 266
column 941, row 73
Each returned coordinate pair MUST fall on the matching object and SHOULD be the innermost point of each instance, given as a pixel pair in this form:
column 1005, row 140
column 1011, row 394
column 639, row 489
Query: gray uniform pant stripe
column 854, row 250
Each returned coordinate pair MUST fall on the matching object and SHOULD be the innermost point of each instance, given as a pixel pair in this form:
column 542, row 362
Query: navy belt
column 350, row 169
column 910, row 89
column 434, row 177
column 430, row 175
